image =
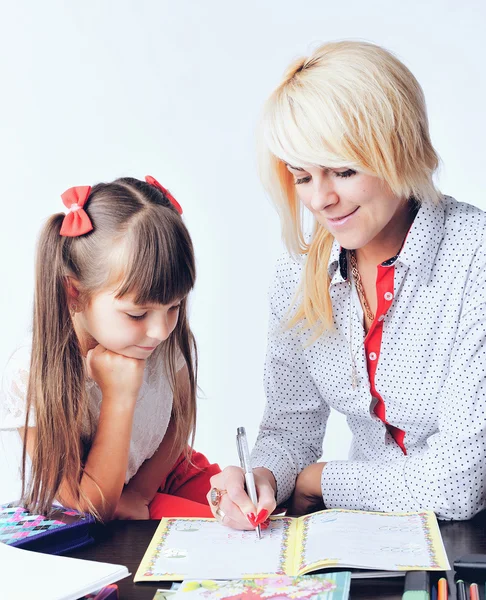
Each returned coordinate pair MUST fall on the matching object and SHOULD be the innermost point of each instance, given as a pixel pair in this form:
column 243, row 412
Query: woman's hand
column 307, row 496
column 118, row 376
column 235, row 509
column 132, row 505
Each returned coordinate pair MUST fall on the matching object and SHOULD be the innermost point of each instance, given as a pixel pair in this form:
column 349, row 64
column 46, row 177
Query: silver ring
column 215, row 496
column 220, row 513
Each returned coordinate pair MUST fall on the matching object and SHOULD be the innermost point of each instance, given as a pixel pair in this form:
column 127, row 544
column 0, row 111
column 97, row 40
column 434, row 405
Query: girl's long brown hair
column 140, row 243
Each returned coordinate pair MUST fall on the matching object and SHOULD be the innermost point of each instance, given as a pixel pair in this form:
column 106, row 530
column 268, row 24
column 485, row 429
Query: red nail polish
column 251, row 517
column 261, row 516
column 265, row 524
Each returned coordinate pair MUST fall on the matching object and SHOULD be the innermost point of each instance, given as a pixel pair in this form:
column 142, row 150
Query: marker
column 416, row 586
column 474, row 591
column 460, row 590
column 442, row 591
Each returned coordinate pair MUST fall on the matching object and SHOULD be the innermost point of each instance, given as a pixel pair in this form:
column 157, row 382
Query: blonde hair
column 350, row 104
column 139, row 242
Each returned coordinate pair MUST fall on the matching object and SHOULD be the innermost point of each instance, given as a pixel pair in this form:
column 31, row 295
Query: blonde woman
column 380, row 313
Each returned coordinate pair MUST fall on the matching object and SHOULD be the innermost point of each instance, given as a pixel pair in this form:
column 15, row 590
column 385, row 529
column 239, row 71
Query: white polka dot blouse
column 413, row 388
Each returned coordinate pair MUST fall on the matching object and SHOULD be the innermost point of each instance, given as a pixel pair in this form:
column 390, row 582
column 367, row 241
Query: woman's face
column 357, row 209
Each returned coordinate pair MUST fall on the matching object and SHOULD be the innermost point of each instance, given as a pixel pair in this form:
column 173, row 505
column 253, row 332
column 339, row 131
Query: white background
column 94, row 90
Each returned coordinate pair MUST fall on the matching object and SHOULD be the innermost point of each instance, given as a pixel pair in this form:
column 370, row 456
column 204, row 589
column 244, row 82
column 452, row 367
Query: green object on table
column 416, row 586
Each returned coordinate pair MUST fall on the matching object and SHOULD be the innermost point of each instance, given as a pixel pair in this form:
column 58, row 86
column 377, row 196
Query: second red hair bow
column 76, row 222
column 152, row 181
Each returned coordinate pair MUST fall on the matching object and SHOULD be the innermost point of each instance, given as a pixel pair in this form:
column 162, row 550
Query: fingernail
column 261, row 516
column 265, row 524
column 251, row 517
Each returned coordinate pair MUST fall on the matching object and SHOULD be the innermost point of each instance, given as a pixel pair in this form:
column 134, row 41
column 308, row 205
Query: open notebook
column 27, row 574
column 203, row 549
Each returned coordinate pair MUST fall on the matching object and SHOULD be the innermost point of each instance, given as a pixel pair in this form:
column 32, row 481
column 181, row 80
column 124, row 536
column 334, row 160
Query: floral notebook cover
column 329, row 586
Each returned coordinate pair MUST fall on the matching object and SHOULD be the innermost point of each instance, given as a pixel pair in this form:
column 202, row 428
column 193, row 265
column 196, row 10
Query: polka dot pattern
column 430, row 374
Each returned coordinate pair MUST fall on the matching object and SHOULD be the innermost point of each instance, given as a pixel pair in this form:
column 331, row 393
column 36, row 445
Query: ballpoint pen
column 244, row 455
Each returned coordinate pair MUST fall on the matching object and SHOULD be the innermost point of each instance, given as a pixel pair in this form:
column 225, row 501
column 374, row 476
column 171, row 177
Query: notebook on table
column 204, row 549
column 329, row 586
column 63, row 530
column 41, row 576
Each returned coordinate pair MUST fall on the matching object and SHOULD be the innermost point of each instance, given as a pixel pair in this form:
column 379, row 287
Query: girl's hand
column 307, row 496
column 119, row 377
column 236, row 510
column 132, row 506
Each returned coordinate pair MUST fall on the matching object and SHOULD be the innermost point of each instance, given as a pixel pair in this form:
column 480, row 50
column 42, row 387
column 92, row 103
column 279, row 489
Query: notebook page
column 26, row 574
column 390, row 541
column 204, row 549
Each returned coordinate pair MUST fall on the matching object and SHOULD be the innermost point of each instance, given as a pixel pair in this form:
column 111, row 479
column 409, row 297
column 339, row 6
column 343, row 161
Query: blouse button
column 388, row 296
column 372, row 355
column 381, row 318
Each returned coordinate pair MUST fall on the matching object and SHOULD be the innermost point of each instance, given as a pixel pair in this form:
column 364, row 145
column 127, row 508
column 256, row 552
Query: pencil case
column 59, row 532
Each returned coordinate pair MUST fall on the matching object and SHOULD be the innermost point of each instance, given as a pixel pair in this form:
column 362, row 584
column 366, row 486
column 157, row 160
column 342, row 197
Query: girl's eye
column 300, row 180
column 174, row 308
column 344, row 174
column 136, row 317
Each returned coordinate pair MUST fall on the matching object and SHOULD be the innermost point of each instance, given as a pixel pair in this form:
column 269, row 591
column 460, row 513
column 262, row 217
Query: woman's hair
column 350, row 104
column 140, row 244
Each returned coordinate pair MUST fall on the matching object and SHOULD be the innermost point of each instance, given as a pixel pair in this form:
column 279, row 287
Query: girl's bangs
column 156, row 262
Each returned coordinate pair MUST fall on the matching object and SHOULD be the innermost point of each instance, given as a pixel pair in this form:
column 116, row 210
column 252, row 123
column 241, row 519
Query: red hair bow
column 76, row 222
column 152, row 181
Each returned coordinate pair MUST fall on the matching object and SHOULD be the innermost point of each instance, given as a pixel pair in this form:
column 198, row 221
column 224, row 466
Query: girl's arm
column 104, row 472
column 141, row 489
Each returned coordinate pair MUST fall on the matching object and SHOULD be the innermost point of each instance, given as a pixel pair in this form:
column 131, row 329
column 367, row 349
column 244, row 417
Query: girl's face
column 124, row 327
column 354, row 207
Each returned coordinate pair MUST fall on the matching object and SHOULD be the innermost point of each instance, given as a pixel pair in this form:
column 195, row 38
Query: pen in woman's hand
column 244, row 455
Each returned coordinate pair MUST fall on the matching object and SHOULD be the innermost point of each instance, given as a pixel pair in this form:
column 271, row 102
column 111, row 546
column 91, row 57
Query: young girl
column 104, row 393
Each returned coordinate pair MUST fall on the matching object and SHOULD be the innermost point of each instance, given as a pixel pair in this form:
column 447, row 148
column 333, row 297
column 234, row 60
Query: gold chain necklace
column 359, row 285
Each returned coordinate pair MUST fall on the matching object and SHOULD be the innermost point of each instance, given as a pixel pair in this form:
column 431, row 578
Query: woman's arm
column 293, row 426
column 295, row 418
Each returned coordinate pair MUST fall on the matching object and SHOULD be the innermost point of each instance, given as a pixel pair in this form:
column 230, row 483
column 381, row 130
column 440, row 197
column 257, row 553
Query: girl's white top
column 150, row 420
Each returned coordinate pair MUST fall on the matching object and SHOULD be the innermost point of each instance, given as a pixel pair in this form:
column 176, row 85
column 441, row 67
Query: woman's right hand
column 235, row 509
column 118, row 376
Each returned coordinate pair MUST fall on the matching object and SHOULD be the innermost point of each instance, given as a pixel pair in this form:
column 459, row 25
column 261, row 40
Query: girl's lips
column 341, row 220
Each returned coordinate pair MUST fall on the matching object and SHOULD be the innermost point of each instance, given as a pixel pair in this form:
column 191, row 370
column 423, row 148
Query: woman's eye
column 174, row 308
column 300, row 180
column 136, row 317
column 344, row 174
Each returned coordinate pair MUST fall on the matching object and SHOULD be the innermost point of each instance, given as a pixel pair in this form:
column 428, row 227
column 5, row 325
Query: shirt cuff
column 281, row 470
column 364, row 485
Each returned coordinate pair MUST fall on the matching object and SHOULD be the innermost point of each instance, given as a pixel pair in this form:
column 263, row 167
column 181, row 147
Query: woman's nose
column 323, row 195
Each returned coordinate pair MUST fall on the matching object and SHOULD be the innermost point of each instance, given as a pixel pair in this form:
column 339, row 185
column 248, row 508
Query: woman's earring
column 73, row 310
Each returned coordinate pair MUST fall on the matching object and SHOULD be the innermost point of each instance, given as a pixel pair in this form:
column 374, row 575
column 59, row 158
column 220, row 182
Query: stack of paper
column 25, row 574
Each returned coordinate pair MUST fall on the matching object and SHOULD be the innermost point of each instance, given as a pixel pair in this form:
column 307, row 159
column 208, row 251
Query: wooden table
column 125, row 542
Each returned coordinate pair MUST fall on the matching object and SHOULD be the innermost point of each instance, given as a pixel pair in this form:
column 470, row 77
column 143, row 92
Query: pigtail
column 56, row 390
column 182, row 341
